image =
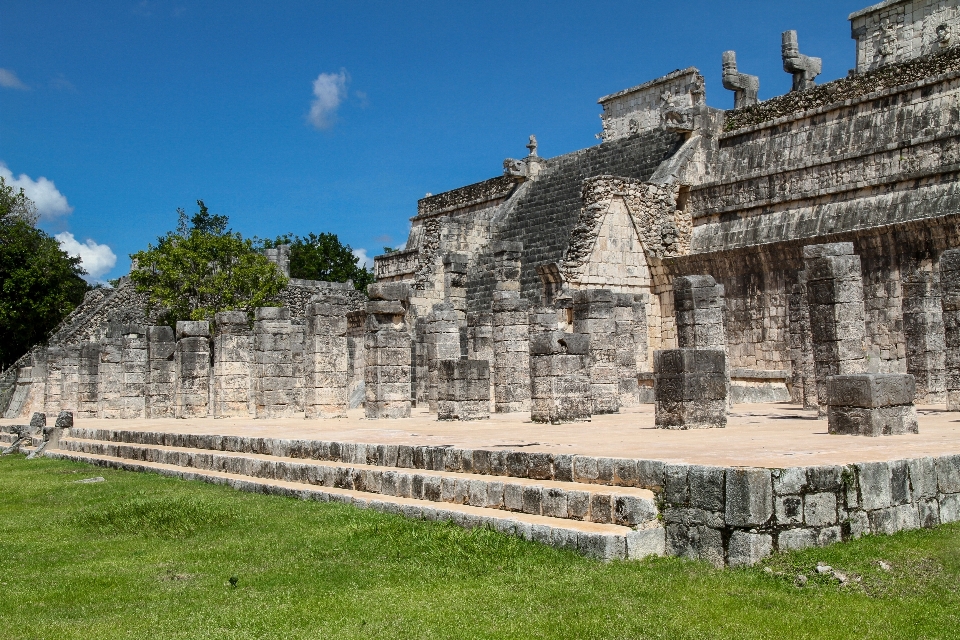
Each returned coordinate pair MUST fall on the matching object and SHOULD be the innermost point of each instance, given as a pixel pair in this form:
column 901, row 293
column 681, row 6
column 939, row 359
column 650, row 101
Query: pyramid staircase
column 528, row 494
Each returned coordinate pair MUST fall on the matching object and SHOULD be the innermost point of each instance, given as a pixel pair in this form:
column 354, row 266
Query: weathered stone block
column 746, row 549
column 749, row 497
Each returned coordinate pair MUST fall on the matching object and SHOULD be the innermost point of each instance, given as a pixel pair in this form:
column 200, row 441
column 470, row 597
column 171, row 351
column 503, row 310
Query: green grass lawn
column 142, row 556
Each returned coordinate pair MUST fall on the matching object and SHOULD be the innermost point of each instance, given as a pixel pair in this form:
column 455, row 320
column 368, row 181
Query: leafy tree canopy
column 323, row 257
column 39, row 283
column 203, row 267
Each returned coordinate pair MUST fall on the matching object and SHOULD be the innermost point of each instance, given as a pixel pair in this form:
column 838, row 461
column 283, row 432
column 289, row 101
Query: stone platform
column 615, row 487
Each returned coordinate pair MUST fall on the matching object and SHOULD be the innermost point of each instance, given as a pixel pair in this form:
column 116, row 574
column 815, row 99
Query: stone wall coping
column 874, row 8
column 673, row 75
column 836, row 106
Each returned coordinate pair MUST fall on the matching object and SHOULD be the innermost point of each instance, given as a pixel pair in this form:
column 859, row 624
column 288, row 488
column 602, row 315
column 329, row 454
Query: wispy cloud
column 60, row 83
column 50, row 202
column 329, row 90
column 365, row 261
column 97, row 259
column 9, row 80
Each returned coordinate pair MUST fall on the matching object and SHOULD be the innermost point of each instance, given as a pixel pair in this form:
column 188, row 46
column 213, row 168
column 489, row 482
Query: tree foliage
column 203, row 267
column 323, row 257
column 39, row 283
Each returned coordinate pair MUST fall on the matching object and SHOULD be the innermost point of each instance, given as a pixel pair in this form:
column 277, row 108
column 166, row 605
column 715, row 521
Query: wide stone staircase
column 528, row 494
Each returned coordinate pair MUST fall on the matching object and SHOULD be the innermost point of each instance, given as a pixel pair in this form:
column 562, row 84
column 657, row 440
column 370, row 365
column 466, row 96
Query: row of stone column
column 272, row 369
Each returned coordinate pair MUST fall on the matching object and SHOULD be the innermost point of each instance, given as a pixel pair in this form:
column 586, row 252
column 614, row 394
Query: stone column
column 690, row 388
column 162, row 377
column 388, row 352
column 88, row 395
column 593, row 315
column 356, row 336
column 232, row 349
column 463, row 390
column 297, row 340
column 53, row 386
column 923, row 329
column 442, row 339
column 950, row 305
column 480, row 340
column 511, row 340
column 835, row 298
column 133, row 360
column 560, row 374
column 699, row 305
column 110, row 371
column 273, row 384
column 70, row 379
column 420, row 369
column 455, row 292
column 803, row 381
column 326, row 359
column 193, row 369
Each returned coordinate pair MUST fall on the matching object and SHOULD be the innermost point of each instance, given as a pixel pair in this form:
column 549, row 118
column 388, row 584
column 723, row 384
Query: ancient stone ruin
column 804, row 249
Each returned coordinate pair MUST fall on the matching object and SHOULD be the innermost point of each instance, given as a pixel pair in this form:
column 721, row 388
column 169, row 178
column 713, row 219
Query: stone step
column 603, row 541
column 626, row 506
column 536, row 465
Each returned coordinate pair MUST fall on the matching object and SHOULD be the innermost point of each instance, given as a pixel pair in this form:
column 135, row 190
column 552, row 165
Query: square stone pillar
column 232, row 355
column 480, row 340
column 950, row 308
column 593, row 315
column 835, row 298
column 803, row 388
column 356, row 353
column 442, row 341
column 560, row 381
column 88, row 395
column 53, row 385
column 690, row 387
column 274, row 388
column 326, row 358
column 297, row 342
column 388, row 352
column 699, row 307
column 463, row 390
column 193, row 369
column 133, row 359
column 110, row 371
column 511, row 339
column 455, row 291
column 923, row 328
column 871, row 404
column 162, row 378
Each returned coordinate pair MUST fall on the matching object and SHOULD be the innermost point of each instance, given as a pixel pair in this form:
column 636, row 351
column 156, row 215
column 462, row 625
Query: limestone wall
column 898, row 30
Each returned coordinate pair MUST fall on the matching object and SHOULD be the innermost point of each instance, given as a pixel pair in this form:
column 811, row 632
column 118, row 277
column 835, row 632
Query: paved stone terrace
column 767, row 435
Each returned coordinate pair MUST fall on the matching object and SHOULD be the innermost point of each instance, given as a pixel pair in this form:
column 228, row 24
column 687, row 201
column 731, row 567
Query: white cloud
column 329, row 90
column 50, row 202
column 365, row 261
column 97, row 259
column 9, row 80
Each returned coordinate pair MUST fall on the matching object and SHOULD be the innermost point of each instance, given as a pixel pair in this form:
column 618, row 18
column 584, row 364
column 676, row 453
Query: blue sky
column 297, row 116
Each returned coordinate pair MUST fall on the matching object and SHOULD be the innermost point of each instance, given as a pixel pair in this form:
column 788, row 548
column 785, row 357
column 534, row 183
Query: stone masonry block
column 746, row 549
column 749, row 497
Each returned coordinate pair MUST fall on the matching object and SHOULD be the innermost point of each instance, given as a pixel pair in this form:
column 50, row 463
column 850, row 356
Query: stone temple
column 661, row 344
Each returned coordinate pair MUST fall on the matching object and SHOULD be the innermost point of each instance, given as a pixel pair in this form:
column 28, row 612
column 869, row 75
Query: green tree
column 203, row 267
column 323, row 257
column 39, row 283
